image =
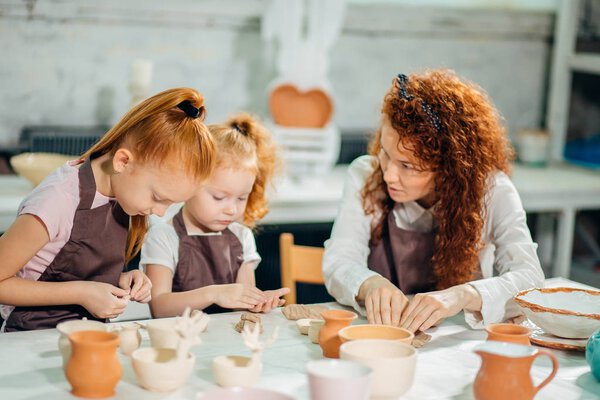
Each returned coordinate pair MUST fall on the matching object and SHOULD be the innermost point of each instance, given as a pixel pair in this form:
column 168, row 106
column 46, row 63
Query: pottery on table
column 242, row 393
column 160, row 370
column 511, row 333
column 68, row 327
column 505, row 371
column 130, row 337
column 328, row 335
column 291, row 107
column 338, row 379
column 232, row 371
column 303, row 325
column 93, row 370
column 162, row 333
column 592, row 354
column 372, row 331
column 393, row 364
column 314, row 329
column 564, row 312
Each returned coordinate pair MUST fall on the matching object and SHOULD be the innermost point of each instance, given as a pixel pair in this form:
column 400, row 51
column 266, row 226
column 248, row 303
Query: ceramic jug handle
column 554, row 368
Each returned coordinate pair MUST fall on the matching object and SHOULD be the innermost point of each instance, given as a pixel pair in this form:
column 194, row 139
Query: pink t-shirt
column 54, row 201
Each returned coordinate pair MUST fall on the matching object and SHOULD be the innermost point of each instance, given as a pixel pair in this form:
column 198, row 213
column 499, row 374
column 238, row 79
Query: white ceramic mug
column 393, row 364
column 162, row 333
column 314, row 328
column 338, row 379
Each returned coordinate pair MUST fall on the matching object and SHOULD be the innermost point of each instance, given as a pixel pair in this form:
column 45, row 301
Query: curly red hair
column 468, row 145
column 243, row 142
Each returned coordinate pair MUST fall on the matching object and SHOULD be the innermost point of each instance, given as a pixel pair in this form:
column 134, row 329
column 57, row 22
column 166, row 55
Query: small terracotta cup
column 511, row 333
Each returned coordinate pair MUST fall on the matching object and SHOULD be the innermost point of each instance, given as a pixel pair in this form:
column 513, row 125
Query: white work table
column 556, row 191
column 31, row 365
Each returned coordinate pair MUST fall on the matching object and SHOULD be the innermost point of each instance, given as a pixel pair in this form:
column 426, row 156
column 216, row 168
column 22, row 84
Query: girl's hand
column 137, row 284
column 273, row 300
column 238, row 295
column 383, row 300
column 428, row 309
column 103, row 300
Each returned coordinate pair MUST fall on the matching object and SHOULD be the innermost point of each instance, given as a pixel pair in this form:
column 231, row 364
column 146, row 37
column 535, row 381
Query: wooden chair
column 298, row 264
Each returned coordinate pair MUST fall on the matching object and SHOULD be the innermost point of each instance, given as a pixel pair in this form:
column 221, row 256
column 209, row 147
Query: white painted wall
column 58, row 58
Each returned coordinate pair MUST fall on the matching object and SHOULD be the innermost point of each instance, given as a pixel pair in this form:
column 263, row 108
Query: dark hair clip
column 434, row 118
column 189, row 110
column 240, row 130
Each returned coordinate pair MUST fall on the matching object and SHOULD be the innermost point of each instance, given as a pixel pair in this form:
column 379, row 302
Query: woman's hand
column 103, row 300
column 273, row 300
column 384, row 301
column 138, row 285
column 428, row 309
column 238, row 295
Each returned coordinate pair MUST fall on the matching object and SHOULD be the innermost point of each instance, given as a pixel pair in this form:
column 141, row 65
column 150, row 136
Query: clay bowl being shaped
column 372, row 331
column 303, row 325
column 36, row 166
column 293, row 108
column 76, row 325
column 232, row 371
column 242, row 393
column 564, row 312
column 159, row 370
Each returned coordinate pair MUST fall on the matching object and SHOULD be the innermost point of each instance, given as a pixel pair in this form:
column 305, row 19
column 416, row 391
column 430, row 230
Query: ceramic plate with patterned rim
column 541, row 338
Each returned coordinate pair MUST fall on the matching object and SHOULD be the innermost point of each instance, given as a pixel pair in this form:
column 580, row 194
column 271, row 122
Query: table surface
column 446, row 366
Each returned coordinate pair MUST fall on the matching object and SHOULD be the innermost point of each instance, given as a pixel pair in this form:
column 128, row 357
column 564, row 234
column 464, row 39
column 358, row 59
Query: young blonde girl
column 205, row 256
column 64, row 256
column 432, row 212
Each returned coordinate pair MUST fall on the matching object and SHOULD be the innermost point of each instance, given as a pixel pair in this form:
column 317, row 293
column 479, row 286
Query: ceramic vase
column 592, row 354
column 328, row 335
column 68, row 327
column 93, row 369
column 130, row 338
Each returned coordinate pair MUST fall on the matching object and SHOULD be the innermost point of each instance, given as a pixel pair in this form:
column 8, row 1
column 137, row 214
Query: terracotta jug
column 93, row 369
column 505, row 371
column 511, row 333
column 329, row 340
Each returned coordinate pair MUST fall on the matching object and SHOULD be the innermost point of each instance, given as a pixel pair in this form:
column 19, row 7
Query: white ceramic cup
column 230, row 371
column 162, row 333
column 160, row 370
column 393, row 364
column 338, row 379
column 314, row 328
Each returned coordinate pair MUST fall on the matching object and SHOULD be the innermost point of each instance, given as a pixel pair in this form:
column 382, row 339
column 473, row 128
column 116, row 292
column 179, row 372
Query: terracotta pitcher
column 329, row 340
column 93, row 369
column 505, row 371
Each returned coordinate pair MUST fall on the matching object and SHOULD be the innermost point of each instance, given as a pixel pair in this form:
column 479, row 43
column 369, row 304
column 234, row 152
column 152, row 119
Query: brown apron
column 95, row 251
column 404, row 257
column 205, row 260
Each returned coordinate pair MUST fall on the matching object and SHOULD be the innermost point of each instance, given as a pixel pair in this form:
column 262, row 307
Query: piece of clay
column 294, row 312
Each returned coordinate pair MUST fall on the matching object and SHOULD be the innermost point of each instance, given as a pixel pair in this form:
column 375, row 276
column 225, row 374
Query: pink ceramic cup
column 338, row 379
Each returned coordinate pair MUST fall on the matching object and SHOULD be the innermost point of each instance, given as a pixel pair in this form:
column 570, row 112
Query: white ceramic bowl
column 564, row 312
column 230, row 371
column 36, row 166
column 159, row 370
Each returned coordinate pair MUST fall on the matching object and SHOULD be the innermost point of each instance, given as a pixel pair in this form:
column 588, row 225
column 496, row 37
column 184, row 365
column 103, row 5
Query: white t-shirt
column 507, row 246
column 161, row 245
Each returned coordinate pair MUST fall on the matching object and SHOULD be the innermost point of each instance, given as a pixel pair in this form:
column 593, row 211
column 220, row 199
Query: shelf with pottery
column 446, row 366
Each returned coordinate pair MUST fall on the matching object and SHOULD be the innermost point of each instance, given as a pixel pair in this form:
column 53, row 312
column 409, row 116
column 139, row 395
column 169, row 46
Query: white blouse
column 507, row 246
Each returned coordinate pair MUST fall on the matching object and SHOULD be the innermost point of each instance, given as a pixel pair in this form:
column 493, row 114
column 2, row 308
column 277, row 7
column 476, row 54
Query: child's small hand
column 138, row 285
column 104, row 300
column 238, row 295
column 273, row 300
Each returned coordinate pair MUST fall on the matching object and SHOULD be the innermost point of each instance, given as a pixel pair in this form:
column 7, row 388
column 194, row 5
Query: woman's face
column 404, row 179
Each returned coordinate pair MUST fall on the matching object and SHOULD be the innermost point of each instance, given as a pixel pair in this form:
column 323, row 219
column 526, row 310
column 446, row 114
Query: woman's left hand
column 138, row 284
column 428, row 309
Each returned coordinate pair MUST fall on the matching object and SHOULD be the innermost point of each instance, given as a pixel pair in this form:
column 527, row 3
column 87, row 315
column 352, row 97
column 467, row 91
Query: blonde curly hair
column 243, row 142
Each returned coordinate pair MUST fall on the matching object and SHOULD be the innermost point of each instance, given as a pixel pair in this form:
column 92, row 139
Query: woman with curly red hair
column 431, row 211
column 206, row 255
